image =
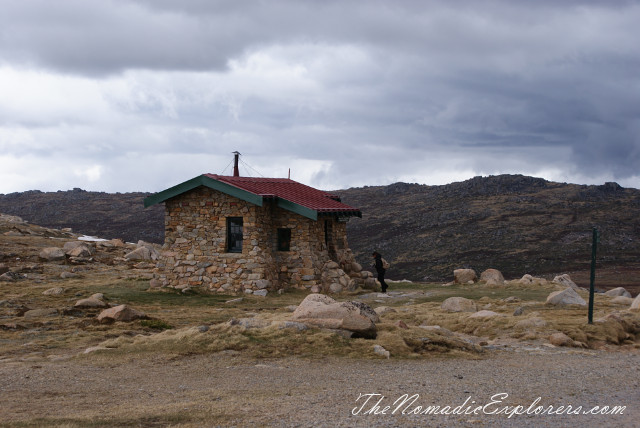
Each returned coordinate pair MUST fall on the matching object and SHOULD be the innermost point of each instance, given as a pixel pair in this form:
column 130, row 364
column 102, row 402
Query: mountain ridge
column 514, row 223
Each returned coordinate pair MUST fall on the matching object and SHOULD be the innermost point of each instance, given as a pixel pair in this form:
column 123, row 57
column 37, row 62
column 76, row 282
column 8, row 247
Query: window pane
column 284, row 239
column 234, row 234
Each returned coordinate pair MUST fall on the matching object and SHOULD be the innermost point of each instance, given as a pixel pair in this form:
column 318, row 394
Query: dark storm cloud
column 405, row 87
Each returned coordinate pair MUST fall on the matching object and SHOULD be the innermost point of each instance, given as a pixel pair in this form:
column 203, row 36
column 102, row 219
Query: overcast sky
column 124, row 95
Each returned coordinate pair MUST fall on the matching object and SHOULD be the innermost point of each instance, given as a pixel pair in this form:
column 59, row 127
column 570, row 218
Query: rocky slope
column 513, row 223
column 108, row 215
column 509, row 222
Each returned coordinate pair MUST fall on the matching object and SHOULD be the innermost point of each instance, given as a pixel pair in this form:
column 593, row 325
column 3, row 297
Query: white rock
column 485, row 314
column 463, row 276
column 566, row 281
column 458, row 304
column 120, row 313
column 492, row 277
column 379, row 350
column 568, row 296
column 620, row 291
column 52, row 254
column 622, row 300
column 322, row 311
column 635, row 305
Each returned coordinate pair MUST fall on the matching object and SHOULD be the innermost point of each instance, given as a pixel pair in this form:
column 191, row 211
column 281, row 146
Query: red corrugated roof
column 289, row 190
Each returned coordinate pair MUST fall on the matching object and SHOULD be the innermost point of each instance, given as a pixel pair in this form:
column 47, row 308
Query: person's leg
column 382, row 283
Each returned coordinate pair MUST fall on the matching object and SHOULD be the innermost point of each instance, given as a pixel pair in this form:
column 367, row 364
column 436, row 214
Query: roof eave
column 202, row 180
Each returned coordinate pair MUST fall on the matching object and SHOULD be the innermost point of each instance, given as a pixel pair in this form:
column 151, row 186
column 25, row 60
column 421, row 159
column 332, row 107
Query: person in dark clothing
column 380, row 269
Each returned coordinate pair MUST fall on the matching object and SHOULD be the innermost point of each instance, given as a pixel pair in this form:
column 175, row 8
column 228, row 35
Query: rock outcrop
column 568, row 296
column 322, row 311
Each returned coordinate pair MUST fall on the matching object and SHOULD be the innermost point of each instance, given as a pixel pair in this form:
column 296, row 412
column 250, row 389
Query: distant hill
column 513, row 223
column 108, row 215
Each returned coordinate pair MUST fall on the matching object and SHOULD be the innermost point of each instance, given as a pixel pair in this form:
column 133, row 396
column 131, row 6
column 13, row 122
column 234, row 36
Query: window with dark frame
column 234, row 234
column 284, row 239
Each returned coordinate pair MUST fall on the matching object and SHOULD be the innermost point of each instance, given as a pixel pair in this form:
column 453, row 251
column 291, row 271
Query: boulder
column 622, row 300
column 90, row 303
column 635, row 305
column 529, row 323
column 56, row 291
column 485, row 314
column 560, row 339
column 620, row 291
column 492, row 277
column 381, row 310
column 566, row 281
column 78, row 249
column 463, row 276
column 261, row 293
column 9, row 277
column 37, row 313
column 67, row 275
column 568, row 296
column 459, row 304
column 51, row 254
column 531, row 280
column 120, row 313
column 379, row 350
column 140, row 253
column 322, row 311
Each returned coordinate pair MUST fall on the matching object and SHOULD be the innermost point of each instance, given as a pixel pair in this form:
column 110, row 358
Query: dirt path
column 230, row 390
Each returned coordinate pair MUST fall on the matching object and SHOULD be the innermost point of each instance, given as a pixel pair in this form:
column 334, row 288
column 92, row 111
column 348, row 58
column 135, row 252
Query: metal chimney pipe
column 236, row 171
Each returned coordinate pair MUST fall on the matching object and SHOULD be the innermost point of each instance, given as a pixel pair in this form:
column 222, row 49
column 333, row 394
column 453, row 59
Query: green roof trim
column 298, row 209
column 203, row 180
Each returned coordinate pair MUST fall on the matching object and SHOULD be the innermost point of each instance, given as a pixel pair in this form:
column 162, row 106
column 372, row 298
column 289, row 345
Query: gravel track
column 231, row 390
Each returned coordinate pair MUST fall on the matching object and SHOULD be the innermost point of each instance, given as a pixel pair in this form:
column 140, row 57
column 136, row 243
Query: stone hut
column 246, row 234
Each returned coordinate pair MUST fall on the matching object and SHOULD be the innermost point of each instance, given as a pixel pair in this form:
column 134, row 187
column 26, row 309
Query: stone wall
column 195, row 249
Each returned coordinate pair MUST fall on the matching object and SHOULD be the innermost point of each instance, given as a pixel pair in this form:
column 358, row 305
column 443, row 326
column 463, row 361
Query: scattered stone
column 528, row 323
column 140, row 253
column 620, row 291
column 250, row 322
column 511, row 299
column 292, row 324
column 335, row 288
column 261, row 293
column 291, row 308
column 90, row 303
column 315, row 289
column 322, row 311
column 622, row 300
column 379, row 350
column 79, row 251
column 381, row 310
column 120, row 313
column 38, row 313
column 3, row 268
column 560, row 339
column 530, row 280
column 485, row 314
column 239, row 299
column 492, row 277
column 401, row 324
column 565, row 280
column 56, row 291
column 144, row 265
column 635, row 305
column 10, row 277
column 52, row 254
column 68, row 275
column 463, row 276
column 458, row 304
column 568, row 296
column 519, row 311
column 203, row 328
